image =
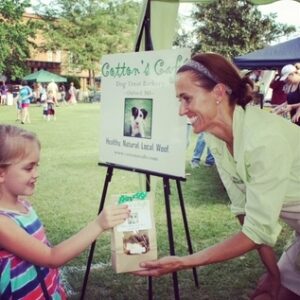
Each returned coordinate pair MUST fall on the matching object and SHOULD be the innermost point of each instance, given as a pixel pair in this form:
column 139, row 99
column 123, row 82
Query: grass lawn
column 67, row 197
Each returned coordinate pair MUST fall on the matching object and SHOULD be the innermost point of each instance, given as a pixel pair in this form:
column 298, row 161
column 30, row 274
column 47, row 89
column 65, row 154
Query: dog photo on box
column 134, row 240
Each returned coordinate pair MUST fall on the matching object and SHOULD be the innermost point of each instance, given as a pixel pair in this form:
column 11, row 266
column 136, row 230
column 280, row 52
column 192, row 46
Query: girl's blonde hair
column 13, row 143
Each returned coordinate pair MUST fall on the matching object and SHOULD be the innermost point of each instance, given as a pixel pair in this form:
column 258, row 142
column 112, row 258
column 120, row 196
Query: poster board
column 140, row 125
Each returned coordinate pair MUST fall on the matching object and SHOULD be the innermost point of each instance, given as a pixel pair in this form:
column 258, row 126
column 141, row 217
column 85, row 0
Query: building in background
column 59, row 61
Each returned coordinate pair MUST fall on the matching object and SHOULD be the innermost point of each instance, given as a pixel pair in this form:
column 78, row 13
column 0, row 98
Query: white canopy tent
column 158, row 22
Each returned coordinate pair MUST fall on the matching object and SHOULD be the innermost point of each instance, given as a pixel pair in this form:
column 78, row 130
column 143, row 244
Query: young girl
column 50, row 106
column 28, row 263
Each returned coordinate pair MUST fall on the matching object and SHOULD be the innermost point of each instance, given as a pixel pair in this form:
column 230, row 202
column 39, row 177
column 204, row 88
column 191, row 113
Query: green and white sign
column 140, row 124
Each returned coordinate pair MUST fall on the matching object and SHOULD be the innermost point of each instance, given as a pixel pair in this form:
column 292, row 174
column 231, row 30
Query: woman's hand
column 112, row 215
column 165, row 265
column 296, row 116
column 234, row 246
column 267, row 285
column 282, row 109
column 278, row 109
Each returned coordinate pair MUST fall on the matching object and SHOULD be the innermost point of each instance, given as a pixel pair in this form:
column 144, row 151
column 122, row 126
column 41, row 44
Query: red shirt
column 278, row 95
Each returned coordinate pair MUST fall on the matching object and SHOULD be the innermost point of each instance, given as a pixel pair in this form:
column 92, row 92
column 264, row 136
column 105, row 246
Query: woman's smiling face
column 196, row 102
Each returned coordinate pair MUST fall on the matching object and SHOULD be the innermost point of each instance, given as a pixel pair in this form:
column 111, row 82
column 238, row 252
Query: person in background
column 25, row 96
column 19, row 109
column 291, row 77
column 72, row 94
column 3, row 93
column 50, row 106
column 62, row 91
column 278, row 95
column 28, row 262
column 43, row 95
column 45, row 110
column 53, row 88
column 257, row 156
column 188, row 132
column 37, row 93
column 198, row 152
column 258, row 88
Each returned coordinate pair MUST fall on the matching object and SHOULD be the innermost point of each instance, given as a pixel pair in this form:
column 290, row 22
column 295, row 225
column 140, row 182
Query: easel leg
column 150, row 291
column 170, row 232
column 92, row 249
column 186, row 228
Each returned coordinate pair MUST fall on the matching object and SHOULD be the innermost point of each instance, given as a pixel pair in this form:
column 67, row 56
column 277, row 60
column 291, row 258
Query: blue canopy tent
column 271, row 57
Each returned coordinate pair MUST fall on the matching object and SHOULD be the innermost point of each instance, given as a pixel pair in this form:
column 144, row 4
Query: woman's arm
column 288, row 107
column 232, row 247
column 228, row 249
column 271, row 282
column 279, row 109
column 17, row 241
column 266, row 253
column 295, row 105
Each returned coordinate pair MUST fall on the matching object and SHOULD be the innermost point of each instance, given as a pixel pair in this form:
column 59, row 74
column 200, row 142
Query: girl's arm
column 15, row 240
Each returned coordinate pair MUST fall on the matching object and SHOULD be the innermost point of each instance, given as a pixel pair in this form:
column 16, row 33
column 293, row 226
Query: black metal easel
column 166, row 183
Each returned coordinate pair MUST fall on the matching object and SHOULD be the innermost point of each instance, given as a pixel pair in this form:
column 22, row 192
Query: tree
column 16, row 38
column 87, row 29
column 234, row 27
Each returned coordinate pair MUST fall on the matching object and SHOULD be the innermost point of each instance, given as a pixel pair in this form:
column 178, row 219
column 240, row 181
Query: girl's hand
column 111, row 216
column 156, row 268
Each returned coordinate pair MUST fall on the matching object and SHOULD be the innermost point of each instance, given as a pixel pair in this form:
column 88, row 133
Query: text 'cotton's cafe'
column 140, row 125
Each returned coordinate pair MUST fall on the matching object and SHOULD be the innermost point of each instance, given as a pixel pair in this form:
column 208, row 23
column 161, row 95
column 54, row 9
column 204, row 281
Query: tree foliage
column 234, row 27
column 16, row 38
column 87, row 29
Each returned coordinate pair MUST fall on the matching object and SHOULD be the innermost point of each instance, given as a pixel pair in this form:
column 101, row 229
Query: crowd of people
column 47, row 95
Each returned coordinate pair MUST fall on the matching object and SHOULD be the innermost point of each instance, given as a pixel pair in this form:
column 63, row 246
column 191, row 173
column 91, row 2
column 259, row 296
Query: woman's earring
column 217, row 102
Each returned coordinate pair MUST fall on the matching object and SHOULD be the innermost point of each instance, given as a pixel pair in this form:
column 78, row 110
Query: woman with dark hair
column 257, row 155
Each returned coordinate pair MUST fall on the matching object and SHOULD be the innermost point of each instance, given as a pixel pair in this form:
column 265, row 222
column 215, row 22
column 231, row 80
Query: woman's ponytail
column 243, row 94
